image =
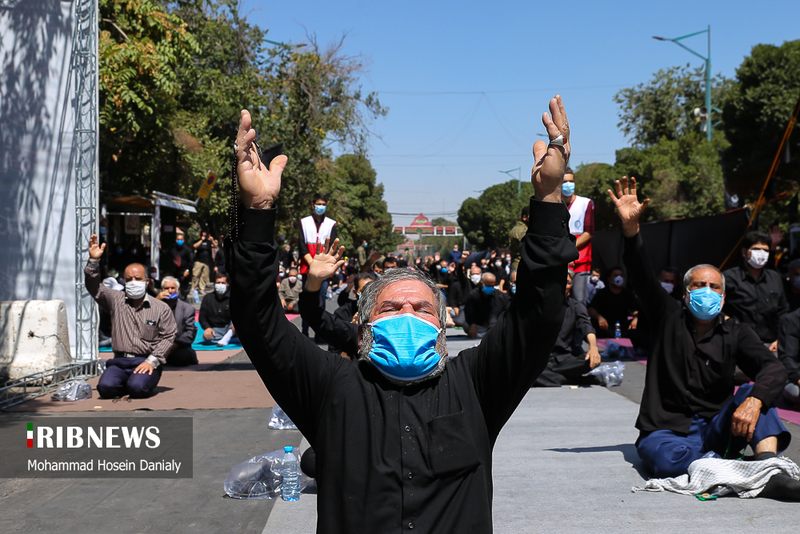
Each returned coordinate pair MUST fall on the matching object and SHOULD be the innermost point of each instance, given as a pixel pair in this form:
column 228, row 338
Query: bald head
column 488, row 280
column 135, row 271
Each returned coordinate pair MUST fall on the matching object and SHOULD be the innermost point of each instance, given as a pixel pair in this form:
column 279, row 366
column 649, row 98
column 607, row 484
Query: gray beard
column 441, row 349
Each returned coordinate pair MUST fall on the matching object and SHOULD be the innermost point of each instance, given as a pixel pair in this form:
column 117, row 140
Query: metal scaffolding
column 85, row 141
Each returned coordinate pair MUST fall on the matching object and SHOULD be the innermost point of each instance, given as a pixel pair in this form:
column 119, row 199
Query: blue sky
column 466, row 82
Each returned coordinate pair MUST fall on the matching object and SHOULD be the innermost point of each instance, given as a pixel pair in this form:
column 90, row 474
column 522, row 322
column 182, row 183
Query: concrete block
column 34, row 337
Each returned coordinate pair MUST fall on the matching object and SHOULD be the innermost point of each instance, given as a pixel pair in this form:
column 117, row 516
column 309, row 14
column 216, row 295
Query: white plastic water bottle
column 290, row 487
column 196, row 295
column 617, row 331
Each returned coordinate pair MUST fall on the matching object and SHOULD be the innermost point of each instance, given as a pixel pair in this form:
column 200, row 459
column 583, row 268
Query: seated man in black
column 484, row 305
column 215, row 315
column 568, row 364
column 755, row 292
column 614, row 304
column 688, row 406
column 670, row 279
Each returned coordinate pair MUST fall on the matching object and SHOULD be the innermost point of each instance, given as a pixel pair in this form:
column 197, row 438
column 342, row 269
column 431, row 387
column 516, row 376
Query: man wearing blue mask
column 688, row 407
column 314, row 230
column 484, row 305
column 403, row 437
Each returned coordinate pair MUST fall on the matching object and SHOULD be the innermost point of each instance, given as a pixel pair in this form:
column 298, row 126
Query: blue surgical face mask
column 514, row 288
column 179, row 242
column 172, row 296
column 488, row 289
column 704, row 303
column 568, row 189
column 444, row 269
column 320, row 209
column 404, row 347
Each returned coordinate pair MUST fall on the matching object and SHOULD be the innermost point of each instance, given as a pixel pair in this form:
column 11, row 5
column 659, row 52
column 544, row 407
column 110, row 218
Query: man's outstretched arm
column 293, row 368
column 516, row 350
column 334, row 330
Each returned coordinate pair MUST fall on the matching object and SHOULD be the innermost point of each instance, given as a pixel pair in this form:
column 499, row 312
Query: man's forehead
column 706, row 274
column 569, row 178
column 406, row 289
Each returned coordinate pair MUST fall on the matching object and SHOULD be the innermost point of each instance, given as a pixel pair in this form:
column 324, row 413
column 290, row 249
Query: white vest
column 577, row 212
column 312, row 236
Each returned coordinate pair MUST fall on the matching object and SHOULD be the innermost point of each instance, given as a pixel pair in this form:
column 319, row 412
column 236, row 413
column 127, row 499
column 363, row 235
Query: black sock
column 782, row 487
column 766, row 455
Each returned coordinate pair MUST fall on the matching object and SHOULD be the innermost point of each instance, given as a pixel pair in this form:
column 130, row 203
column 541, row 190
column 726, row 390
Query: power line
column 510, row 91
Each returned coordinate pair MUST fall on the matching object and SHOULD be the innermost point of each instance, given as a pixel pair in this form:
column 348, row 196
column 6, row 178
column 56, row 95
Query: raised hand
column 324, row 264
column 259, row 185
column 95, row 251
column 550, row 161
column 628, row 206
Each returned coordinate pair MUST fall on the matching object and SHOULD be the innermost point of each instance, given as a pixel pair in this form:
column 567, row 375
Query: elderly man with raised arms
column 404, row 435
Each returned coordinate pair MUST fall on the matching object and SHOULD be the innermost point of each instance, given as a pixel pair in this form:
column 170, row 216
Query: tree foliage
column 356, row 202
column 681, row 177
column 756, row 115
column 174, row 77
column 664, row 106
column 487, row 220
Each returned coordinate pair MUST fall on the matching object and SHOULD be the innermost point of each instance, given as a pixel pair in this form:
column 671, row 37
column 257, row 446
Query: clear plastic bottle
column 290, row 487
column 196, row 295
column 617, row 331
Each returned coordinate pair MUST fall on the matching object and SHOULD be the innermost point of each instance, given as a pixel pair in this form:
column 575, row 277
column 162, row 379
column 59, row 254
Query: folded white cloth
column 722, row 477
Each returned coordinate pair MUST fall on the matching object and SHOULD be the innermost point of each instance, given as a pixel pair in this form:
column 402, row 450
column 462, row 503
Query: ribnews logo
column 108, row 437
column 98, row 447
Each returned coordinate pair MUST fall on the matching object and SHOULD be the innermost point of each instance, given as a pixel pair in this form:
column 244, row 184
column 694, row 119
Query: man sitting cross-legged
column 688, row 406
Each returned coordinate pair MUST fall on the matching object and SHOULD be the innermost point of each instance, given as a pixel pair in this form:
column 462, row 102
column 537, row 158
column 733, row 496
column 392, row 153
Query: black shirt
column 616, row 307
column 687, row 376
column 792, row 298
column 340, row 333
column 202, row 253
column 482, row 309
column 216, row 312
column 391, row 458
column 758, row 303
column 576, row 319
column 181, row 257
column 789, row 344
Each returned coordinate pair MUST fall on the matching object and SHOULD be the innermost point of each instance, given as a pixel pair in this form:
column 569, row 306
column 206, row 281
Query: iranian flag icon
column 30, row 435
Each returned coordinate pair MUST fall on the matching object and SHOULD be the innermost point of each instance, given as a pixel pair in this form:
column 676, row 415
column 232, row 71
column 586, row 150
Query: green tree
column 141, row 46
column 664, row 106
column 756, row 115
column 356, row 202
column 487, row 220
column 313, row 101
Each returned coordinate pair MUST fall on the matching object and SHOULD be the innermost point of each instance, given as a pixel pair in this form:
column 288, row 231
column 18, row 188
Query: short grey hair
column 688, row 276
column 170, row 279
column 369, row 299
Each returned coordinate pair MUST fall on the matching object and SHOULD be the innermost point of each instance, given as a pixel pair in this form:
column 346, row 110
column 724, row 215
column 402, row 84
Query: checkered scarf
column 722, row 477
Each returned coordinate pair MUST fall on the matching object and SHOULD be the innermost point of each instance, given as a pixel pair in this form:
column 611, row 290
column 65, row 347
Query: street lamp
column 519, row 178
column 708, row 108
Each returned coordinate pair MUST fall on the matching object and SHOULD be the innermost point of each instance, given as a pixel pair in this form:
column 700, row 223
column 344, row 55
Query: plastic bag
column 609, row 374
column 279, row 420
column 260, row 478
column 75, row 390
